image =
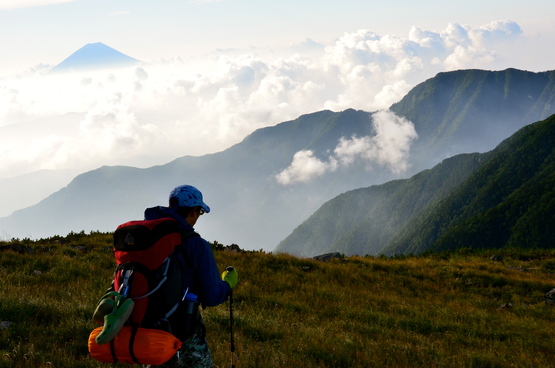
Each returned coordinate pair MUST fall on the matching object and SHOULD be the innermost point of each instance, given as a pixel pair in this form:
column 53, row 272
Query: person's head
column 187, row 201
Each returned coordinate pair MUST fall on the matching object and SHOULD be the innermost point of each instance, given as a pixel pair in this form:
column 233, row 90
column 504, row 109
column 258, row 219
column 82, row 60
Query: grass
column 456, row 309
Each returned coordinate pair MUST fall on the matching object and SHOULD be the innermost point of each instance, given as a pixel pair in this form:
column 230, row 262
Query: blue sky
column 44, row 31
column 218, row 70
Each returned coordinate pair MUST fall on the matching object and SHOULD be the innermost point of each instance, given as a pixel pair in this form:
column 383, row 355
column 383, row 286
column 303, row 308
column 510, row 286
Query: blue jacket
column 199, row 270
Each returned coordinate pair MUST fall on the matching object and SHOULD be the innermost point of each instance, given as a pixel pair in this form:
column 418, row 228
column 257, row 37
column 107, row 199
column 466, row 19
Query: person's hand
column 230, row 276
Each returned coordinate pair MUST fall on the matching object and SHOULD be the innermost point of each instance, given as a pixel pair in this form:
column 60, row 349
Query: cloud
column 308, row 47
column 389, row 148
column 468, row 57
column 497, row 31
column 17, row 4
column 304, row 168
column 171, row 108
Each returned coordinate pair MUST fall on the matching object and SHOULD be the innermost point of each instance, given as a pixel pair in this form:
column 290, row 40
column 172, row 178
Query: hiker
column 199, row 273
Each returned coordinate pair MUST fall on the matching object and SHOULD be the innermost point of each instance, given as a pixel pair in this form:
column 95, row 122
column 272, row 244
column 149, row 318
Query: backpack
column 148, row 279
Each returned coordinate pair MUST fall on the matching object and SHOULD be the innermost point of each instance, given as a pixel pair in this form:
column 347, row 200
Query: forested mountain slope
column 505, row 197
column 510, row 201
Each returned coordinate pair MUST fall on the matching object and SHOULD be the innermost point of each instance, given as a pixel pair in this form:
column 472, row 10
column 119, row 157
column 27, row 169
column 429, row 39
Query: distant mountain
column 505, row 197
column 50, row 182
column 474, row 110
column 249, row 207
column 94, row 56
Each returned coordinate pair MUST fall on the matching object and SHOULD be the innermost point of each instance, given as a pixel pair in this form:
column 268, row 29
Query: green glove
column 230, row 276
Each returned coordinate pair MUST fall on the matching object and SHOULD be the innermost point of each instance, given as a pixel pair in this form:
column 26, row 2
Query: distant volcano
column 94, row 56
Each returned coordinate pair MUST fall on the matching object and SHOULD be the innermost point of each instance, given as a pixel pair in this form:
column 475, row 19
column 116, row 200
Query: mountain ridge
column 449, row 108
column 250, row 208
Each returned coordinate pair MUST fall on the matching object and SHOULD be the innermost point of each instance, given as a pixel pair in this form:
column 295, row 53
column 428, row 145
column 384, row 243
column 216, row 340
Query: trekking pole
column 232, row 343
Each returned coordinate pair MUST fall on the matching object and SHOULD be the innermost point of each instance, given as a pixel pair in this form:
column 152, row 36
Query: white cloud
column 497, row 31
column 394, row 136
column 455, row 35
column 468, row 57
column 389, row 147
column 173, row 108
column 304, row 168
column 308, row 45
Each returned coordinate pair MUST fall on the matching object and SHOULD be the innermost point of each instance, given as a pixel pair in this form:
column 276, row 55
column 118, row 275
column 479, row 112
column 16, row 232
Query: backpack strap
column 132, row 343
column 170, row 312
column 181, row 257
column 128, row 269
column 113, row 351
column 180, row 248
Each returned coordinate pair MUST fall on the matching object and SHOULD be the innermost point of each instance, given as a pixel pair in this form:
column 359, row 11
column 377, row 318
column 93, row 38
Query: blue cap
column 188, row 196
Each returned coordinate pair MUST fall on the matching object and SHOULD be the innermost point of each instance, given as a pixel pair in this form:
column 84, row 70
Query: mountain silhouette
column 94, row 56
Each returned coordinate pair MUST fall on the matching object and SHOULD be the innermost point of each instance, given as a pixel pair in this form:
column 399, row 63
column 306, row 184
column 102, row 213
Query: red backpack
column 148, row 272
column 145, row 269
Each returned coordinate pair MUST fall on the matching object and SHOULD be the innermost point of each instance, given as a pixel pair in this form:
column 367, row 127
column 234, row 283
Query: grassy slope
column 428, row 311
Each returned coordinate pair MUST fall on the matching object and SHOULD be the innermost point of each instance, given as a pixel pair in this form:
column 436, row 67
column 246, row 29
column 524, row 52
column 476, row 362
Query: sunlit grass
column 450, row 310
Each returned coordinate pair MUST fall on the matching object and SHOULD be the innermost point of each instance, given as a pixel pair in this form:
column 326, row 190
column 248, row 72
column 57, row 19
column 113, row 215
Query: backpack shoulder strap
column 180, row 250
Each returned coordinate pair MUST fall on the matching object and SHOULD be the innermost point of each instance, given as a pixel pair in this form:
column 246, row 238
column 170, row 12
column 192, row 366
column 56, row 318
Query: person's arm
column 211, row 288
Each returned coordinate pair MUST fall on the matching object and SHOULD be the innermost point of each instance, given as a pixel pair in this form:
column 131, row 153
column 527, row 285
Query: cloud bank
column 389, row 147
column 170, row 108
